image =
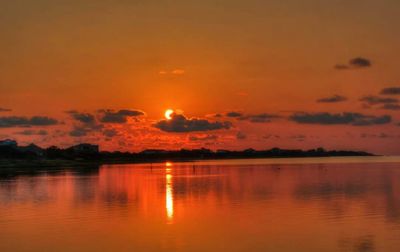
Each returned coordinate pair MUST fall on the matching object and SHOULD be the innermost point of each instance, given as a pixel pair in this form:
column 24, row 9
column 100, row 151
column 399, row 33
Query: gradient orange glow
column 208, row 59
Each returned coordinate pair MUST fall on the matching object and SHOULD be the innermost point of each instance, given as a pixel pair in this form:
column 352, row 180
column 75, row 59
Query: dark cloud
column 85, row 129
column 179, row 123
column 374, row 100
column 20, row 121
column 82, row 117
column 258, row 118
column 333, row 99
column 203, row 138
column 79, row 131
column 120, row 116
column 358, row 62
column 391, row 106
column 30, row 132
column 391, row 91
column 110, row 132
column 234, row 114
column 325, row 118
column 5, row 110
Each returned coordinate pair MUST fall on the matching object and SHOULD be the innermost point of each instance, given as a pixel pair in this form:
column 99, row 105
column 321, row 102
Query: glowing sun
column 168, row 114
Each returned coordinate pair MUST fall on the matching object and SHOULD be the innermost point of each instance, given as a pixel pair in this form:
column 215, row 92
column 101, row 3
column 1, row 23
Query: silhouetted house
column 8, row 143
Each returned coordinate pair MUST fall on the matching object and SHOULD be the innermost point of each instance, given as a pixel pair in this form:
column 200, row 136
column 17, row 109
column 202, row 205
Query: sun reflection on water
column 169, row 198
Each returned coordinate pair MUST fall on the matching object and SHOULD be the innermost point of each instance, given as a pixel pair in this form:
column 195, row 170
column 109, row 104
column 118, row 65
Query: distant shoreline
column 33, row 164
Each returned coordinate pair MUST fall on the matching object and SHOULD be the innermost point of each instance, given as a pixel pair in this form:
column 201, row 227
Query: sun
column 168, row 114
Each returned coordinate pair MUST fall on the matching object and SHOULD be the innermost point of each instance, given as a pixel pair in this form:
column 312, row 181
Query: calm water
column 346, row 204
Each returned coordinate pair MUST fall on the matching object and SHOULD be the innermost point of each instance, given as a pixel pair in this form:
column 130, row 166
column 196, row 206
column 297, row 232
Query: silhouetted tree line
column 91, row 152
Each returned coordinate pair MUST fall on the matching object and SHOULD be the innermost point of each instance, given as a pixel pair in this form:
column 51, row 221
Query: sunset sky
column 237, row 74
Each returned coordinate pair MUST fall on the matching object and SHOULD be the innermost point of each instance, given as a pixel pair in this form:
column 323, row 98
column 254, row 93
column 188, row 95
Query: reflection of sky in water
column 169, row 207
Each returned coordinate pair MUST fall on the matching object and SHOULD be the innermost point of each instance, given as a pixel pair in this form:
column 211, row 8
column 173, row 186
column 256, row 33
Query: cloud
column 234, row 114
column 79, row 131
column 358, row 62
column 179, row 123
column 325, row 118
column 120, row 116
column 82, row 117
column 203, row 138
column 5, row 110
column 391, row 91
column 332, row 99
column 20, row 121
column 258, row 118
column 110, row 132
column 30, row 132
column 374, row 100
column 391, row 106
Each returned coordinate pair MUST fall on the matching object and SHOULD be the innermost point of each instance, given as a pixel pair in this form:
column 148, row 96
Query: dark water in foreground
column 347, row 204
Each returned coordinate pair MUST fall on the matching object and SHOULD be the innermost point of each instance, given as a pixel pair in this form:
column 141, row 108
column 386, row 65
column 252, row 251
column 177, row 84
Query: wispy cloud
column 325, row 118
column 21, row 121
column 332, row 99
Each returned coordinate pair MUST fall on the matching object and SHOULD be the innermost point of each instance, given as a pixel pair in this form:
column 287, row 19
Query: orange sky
column 202, row 58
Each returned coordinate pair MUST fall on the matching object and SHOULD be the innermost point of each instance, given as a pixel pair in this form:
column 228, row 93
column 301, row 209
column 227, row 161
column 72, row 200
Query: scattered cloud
column 82, row 117
column 374, row 100
column 333, row 99
column 391, row 106
column 21, row 121
column 203, row 138
column 120, row 116
column 234, row 114
column 258, row 118
column 179, row 123
column 355, row 63
column 79, row 131
column 391, row 91
column 110, row 132
column 325, row 118
column 30, row 132
column 360, row 62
